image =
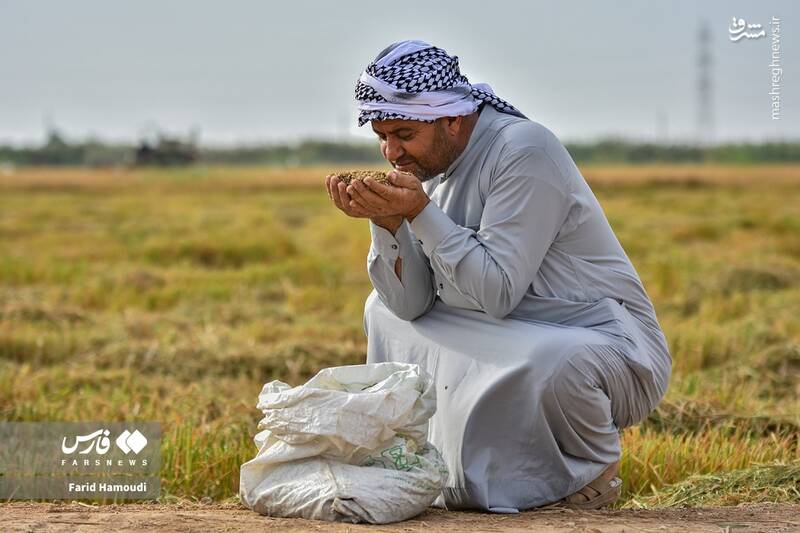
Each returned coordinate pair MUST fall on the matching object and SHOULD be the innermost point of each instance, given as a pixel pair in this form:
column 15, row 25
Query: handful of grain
column 347, row 177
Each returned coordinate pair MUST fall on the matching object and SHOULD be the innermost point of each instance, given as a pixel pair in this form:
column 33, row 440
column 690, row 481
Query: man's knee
column 574, row 390
column 579, row 411
column 608, row 370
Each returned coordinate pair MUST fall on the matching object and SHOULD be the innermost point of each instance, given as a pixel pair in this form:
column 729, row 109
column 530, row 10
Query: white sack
column 350, row 445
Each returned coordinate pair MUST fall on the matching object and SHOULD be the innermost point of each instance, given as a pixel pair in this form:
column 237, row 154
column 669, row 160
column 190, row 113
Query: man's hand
column 405, row 196
column 337, row 191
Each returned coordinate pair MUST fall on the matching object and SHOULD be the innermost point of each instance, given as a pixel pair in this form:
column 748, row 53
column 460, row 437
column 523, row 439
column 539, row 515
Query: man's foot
column 602, row 491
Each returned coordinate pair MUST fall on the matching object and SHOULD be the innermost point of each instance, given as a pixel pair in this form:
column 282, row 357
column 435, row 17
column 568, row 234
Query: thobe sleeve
column 414, row 295
column 526, row 204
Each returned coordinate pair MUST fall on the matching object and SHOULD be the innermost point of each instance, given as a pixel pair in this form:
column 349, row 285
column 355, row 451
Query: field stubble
column 173, row 295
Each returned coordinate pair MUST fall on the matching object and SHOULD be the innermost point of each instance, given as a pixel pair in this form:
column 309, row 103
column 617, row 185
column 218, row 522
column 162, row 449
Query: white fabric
column 350, row 445
column 453, row 102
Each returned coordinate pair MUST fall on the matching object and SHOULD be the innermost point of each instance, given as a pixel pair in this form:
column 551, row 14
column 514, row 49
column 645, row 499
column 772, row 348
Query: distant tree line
column 168, row 151
column 307, row 152
column 621, row 151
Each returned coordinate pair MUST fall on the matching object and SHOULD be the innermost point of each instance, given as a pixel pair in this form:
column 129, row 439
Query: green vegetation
column 173, row 151
column 173, row 295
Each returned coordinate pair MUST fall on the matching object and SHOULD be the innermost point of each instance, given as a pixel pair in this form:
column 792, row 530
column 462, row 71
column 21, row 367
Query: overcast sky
column 245, row 71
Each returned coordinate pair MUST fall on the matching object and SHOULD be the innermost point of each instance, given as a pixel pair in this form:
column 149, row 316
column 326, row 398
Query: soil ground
column 78, row 517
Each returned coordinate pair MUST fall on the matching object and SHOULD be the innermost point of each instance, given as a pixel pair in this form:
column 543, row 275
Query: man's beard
column 446, row 151
column 427, row 176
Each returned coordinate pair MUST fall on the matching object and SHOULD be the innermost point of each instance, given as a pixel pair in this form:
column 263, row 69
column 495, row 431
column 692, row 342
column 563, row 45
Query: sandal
column 600, row 492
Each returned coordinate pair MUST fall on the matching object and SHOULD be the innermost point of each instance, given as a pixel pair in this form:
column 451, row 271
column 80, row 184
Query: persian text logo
column 99, row 442
column 80, row 460
column 739, row 30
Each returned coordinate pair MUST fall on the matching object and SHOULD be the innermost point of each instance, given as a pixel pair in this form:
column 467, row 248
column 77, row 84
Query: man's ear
column 453, row 124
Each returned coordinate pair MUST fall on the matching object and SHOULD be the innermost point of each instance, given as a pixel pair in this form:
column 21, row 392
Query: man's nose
column 394, row 150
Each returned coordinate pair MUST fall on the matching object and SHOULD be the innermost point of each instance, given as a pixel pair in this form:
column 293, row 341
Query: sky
column 251, row 72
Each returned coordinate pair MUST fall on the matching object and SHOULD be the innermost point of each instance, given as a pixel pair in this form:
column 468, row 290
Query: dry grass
column 759, row 483
column 173, row 295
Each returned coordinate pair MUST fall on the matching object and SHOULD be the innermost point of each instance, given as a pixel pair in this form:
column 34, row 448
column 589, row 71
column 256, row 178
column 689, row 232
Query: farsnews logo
column 131, row 442
column 99, row 442
column 54, row 460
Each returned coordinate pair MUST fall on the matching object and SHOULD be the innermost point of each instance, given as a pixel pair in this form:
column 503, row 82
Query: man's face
column 421, row 148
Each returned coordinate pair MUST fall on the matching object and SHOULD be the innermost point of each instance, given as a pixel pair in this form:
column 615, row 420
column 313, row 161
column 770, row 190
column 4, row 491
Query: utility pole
column 705, row 100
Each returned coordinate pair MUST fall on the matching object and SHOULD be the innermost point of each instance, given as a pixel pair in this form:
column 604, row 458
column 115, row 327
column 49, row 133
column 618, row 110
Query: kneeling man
column 495, row 268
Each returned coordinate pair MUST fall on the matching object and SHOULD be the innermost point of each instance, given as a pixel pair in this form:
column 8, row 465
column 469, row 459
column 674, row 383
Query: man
column 496, row 270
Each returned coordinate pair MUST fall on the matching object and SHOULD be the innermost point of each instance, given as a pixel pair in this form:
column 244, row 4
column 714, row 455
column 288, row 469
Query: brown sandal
column 600, row 492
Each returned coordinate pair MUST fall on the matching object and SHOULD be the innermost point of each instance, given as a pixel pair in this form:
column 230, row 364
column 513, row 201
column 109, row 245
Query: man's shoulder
column 521, row 134
column 526, row 147
column 516, row 137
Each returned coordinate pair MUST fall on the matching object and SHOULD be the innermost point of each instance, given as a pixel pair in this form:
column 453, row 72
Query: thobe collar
column 484, row 119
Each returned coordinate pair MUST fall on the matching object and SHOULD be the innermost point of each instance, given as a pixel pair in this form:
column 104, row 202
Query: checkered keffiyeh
column 413, row 80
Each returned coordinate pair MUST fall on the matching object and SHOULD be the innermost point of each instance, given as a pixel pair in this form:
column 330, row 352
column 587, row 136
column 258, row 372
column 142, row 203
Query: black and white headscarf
column 413, row 80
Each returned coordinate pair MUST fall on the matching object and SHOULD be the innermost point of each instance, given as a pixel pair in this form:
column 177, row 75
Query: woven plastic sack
column 350, row 445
